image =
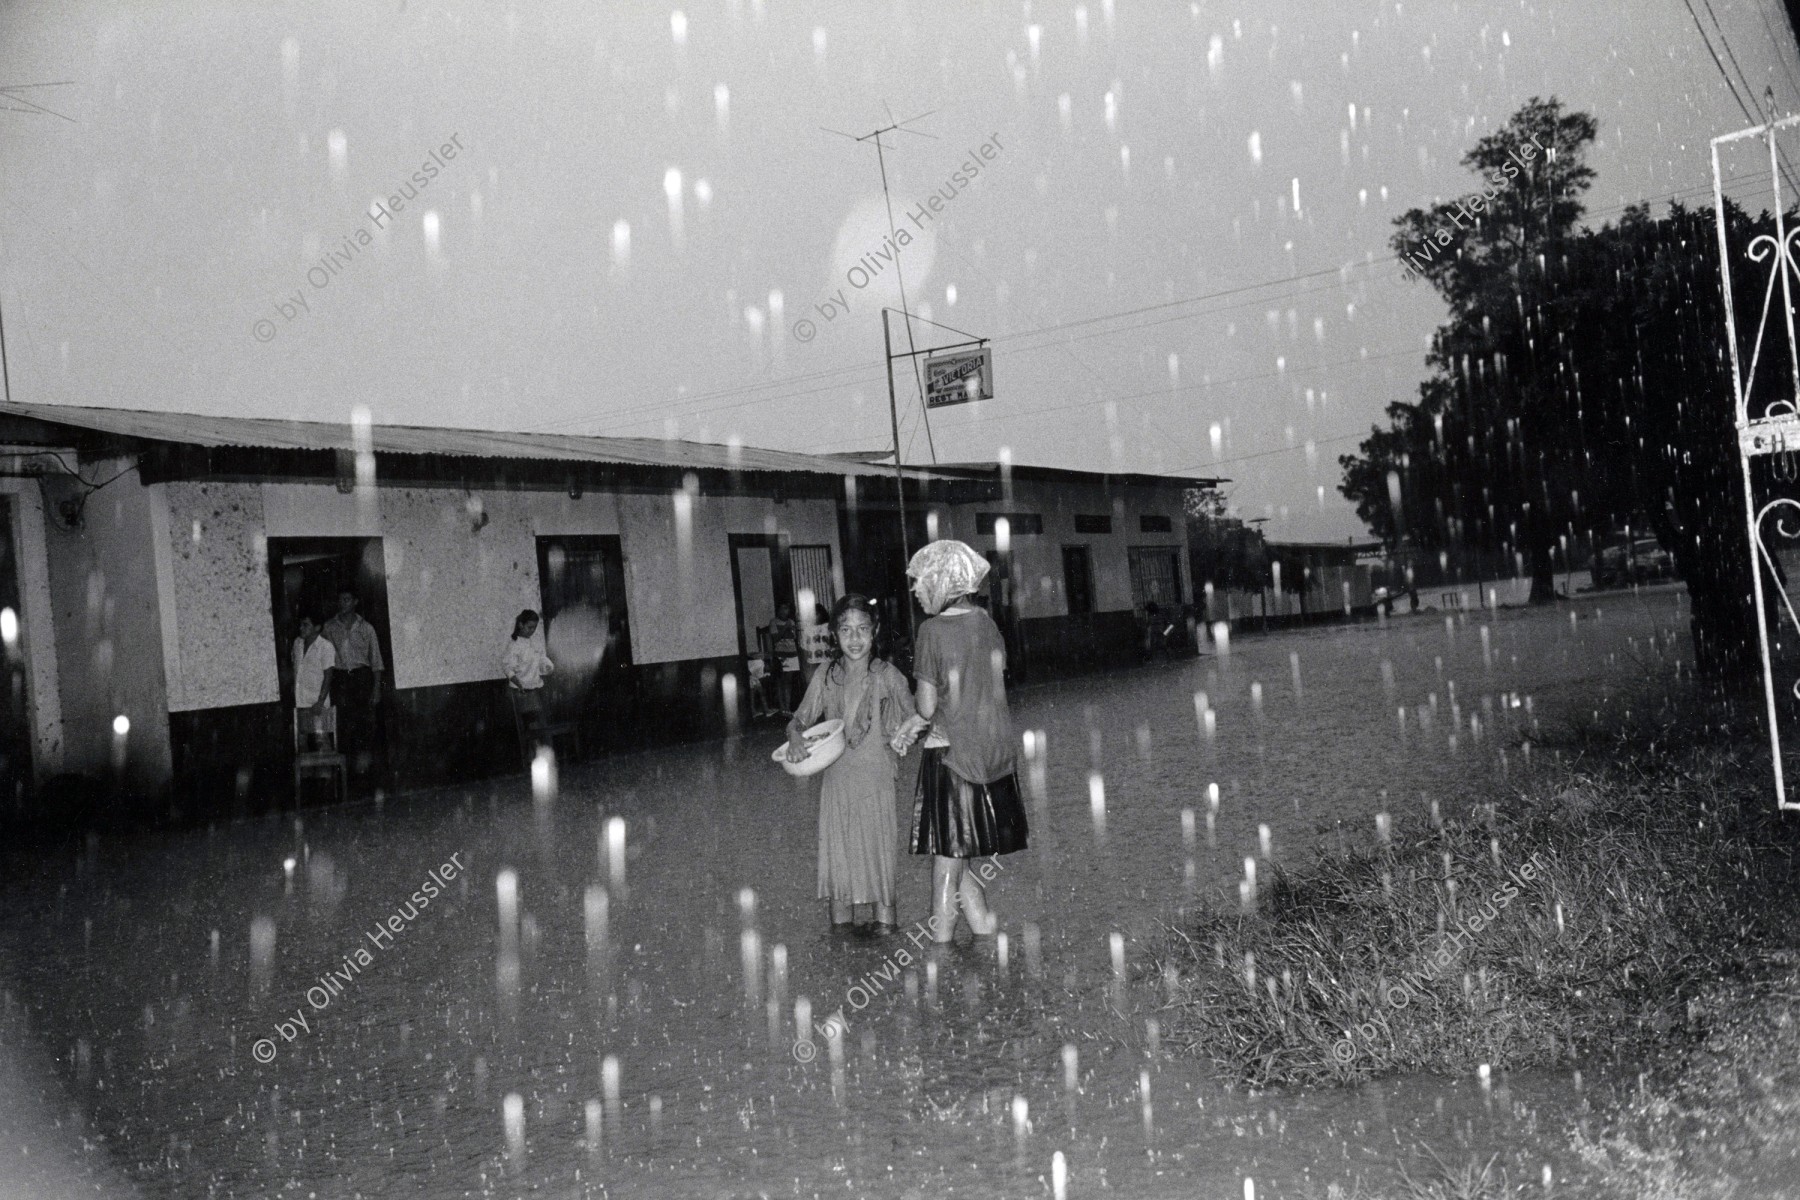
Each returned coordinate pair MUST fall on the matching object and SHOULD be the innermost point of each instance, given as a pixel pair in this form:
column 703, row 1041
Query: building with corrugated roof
column 156, row 565
column 161, row 561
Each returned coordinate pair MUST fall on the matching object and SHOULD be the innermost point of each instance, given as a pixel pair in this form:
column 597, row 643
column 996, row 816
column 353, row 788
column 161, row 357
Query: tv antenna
column 874, row 136
column 12, row 100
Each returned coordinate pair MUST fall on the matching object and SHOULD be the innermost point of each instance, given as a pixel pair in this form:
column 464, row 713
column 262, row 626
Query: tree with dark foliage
column 1495, row 451
column 1574, row 390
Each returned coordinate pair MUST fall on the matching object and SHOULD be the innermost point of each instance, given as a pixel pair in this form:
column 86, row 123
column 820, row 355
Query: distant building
column 1078, row 556
column 153, row 566
column 1318, row 578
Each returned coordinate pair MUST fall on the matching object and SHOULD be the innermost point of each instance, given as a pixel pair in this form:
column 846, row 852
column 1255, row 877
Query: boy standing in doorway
column 356, row 684
column 315, row 660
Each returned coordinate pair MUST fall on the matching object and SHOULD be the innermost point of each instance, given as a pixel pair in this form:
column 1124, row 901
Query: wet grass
column 1657, row 869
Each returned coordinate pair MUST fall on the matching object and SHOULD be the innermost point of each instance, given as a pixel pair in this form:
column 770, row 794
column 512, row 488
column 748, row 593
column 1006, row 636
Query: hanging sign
column 959, row 377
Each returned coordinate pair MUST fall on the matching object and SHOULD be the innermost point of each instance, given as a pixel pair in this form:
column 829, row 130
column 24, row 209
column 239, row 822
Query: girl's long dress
column 858, row 810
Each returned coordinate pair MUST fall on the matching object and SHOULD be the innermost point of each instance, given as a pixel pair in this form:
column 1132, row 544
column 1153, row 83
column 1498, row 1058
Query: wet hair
column 525, row 614
column 855, row 602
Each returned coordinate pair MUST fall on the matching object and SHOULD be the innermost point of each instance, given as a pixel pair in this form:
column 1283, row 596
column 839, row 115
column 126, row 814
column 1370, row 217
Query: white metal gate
column 1768, row 425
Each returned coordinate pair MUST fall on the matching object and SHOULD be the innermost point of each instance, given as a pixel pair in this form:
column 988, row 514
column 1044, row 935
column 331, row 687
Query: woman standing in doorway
column 967, row 805
column 525, row 665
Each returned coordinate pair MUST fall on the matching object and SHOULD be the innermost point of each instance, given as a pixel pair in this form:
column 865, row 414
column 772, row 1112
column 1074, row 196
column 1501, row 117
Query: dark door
column 1078, row 580
column 1001, row 607
column 587, row 632
column 15, row 718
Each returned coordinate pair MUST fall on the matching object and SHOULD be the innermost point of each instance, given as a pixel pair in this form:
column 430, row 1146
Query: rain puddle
column 626, row 988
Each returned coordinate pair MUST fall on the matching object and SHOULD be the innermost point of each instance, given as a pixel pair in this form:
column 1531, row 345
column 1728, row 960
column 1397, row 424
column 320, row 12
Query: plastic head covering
column 945, row 570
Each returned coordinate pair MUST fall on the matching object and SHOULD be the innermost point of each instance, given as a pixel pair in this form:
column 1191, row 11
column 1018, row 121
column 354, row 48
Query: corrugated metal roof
column 193, row 429
column 1028, row 471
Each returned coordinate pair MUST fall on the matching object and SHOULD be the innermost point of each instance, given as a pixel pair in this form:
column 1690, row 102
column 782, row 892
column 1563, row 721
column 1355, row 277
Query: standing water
column 529, row 1023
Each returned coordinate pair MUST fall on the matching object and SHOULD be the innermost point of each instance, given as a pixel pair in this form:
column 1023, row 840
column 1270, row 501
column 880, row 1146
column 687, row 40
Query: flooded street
column 637, row 1008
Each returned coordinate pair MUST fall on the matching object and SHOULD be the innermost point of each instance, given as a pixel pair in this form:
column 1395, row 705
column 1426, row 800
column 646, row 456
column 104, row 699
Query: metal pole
column 5, row 376
column 887, row 344
column 900, row 274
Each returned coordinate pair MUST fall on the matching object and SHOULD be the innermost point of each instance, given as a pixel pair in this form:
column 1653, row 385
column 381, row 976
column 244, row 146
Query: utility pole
column 886, row 333
column 887, row 343
column 899, row 267
column 11, row 100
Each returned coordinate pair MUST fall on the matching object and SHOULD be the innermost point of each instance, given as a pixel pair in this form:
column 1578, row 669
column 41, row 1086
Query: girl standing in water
column 858, row 817
column 525, row 665
column 967, row 804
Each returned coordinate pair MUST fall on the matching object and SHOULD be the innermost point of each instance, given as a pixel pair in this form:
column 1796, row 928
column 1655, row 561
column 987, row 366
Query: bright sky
column 648, row 201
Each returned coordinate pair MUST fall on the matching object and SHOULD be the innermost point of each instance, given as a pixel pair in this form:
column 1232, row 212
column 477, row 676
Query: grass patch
column 1659, row 869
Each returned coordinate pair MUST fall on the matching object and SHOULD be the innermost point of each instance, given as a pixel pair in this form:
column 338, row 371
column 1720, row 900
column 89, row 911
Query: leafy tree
column 1495, row 452
column 1607, row 398
column 1645, row 316
column 1222, row 550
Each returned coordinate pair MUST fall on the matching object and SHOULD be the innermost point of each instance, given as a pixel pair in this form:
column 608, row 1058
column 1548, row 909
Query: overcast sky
column 647, row 202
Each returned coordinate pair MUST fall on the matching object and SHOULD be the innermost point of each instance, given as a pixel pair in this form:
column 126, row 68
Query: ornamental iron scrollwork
column 1774, row 432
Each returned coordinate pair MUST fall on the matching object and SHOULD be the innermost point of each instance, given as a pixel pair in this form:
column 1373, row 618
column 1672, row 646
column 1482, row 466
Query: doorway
column 15, row 712
column 305, row 576
column 587, row 632
column 1078, row 580
column 761, row 579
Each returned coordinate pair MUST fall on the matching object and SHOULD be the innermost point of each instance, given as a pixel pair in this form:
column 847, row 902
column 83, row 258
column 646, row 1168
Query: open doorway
column 15, row 715
column 762, row 581
column 306, row 576
column 587, row 630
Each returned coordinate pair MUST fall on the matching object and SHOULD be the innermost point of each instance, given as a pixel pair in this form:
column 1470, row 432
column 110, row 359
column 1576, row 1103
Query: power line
column 1779, row 42
column 626, row 417
column 1786, row 170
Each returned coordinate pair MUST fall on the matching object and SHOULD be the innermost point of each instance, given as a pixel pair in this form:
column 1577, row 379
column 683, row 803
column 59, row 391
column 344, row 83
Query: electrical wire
column 623, row 418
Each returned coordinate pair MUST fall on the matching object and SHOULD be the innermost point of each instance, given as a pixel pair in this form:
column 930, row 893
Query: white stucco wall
column 682, row 605
column 1037, row 559
column 213, row 569
column 452, row 590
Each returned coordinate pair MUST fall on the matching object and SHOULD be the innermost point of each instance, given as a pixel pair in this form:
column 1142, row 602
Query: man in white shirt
column 314, row 660
column 358, row 691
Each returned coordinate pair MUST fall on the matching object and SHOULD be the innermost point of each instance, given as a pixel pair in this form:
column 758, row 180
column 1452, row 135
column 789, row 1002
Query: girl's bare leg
column 884, row 914
column 946, row 881
column 841, row 912
column 975, row 907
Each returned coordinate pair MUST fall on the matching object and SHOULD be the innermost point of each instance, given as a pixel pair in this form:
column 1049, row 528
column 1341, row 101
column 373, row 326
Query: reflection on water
column 632, row 991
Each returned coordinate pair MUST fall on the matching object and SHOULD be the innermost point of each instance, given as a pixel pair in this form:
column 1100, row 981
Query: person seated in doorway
column 315, row 661
column 784, row 639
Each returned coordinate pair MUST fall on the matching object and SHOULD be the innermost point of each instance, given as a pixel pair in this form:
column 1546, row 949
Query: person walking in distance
column 356, row 683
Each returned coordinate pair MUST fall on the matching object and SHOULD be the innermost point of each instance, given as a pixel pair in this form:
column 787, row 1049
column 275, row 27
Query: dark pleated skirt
column 958, row 819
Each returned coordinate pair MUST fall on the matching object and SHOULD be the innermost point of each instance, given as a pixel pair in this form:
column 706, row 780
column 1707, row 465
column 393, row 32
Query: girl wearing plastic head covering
column 967, row 805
